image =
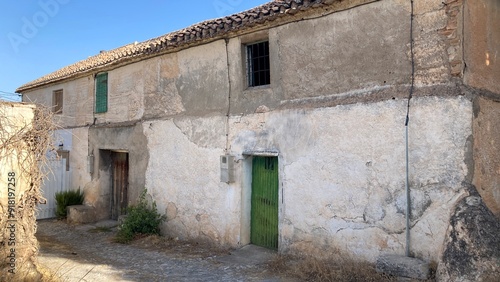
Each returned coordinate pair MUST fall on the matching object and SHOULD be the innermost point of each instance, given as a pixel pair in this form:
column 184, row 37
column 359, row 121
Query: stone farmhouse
column 285, row 125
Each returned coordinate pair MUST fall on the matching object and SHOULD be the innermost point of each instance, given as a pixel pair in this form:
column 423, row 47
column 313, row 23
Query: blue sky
column 38, row 37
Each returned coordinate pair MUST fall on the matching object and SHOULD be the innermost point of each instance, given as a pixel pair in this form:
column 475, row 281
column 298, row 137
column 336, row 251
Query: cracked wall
column 343, row 181
column 339, row 132
column 334, row 111
column 183, row 178
column 102, row 141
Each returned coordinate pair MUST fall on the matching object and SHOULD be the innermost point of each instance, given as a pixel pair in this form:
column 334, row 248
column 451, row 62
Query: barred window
column 258, row 65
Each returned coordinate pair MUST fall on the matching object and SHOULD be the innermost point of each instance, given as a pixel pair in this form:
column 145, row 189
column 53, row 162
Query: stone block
column 401, row 266
column 81, row 214
column 472, row 245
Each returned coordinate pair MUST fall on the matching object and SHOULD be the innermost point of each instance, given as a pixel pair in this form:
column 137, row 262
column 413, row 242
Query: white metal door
column 58, row 179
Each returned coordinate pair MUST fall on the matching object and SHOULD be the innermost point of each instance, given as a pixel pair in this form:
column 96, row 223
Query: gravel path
column 75, row 253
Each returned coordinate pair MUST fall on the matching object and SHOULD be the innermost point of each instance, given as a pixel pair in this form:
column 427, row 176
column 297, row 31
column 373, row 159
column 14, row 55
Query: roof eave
column 266, row 16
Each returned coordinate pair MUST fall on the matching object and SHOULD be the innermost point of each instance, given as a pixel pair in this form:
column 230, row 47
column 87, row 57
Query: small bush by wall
column 141, row 219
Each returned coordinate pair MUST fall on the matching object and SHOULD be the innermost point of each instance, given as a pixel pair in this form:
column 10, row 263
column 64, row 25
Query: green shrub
column 141, row 219
column 67, row 198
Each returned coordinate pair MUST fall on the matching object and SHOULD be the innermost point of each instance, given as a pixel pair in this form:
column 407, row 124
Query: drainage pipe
column 408, row 199
column 228, row 114
column 407, row 182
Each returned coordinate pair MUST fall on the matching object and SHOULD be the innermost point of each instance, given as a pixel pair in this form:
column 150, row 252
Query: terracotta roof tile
column 211, row 29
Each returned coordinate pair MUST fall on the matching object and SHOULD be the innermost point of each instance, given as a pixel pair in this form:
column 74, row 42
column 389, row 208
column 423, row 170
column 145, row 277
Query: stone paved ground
column 75, row 253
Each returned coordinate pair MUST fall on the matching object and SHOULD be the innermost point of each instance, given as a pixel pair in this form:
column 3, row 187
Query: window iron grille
column 259, row 71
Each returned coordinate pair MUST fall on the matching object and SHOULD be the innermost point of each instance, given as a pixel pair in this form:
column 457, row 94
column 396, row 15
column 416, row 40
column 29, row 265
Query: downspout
column 407, row 121
column 90, row 155
column 226, row 149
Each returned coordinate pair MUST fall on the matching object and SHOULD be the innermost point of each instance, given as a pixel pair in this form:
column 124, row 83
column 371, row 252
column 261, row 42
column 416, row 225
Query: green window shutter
column 101, row 93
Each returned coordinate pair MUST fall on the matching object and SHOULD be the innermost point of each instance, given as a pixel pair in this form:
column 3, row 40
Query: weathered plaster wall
column 203, row 79
column 482, row 57
column 487, row 152
column 346, row 55
column 342, row 167
column 78, row 157
column 438, row 38
column 102, row 140
column 183, row 178
column 77, row 104
column 341, row 164
column 246, row 100
column 342, row 171
column 192, row 82
column 482, row 44
column 350, row 50
column 125, row 94
column 161, row 95
column 354, row 49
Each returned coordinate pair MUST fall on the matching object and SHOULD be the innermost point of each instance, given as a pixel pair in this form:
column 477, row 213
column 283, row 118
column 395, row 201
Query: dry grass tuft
column 337, row 268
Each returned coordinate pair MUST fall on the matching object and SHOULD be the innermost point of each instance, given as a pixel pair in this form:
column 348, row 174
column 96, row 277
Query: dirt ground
column 88, row 253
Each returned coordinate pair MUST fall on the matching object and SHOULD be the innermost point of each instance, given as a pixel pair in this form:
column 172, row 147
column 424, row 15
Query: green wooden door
column 264, row 218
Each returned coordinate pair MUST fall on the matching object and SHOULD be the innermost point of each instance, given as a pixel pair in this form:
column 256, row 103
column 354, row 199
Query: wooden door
column 120, row 184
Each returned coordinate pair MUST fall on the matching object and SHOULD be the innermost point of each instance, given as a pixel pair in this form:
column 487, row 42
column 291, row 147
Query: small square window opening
column 259, row 72
column 57, row 101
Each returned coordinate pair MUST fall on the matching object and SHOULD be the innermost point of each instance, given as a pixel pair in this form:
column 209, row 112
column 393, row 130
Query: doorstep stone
column 81, row 214
column 401, row 266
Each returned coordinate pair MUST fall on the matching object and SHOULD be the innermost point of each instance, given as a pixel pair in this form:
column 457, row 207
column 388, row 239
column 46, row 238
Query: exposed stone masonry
column 452, row 32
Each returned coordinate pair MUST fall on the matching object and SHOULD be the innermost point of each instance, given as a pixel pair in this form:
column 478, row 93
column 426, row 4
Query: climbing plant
column 25, row 141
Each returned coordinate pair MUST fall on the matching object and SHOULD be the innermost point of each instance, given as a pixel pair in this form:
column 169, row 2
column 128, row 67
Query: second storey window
column 101, row 93
column 259, row 72
column 57, row 101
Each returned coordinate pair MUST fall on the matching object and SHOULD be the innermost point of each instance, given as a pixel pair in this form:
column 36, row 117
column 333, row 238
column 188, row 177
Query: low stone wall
column 81, row 214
